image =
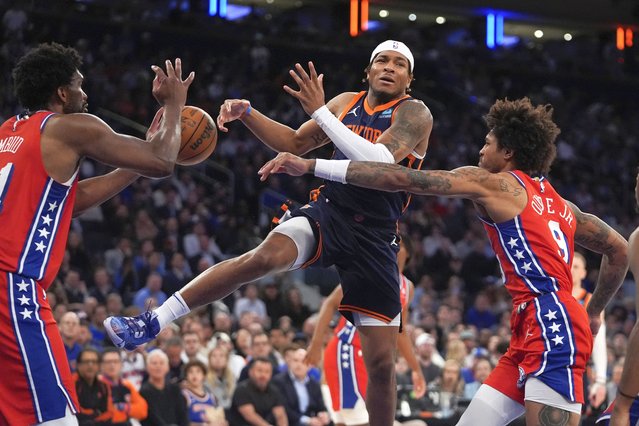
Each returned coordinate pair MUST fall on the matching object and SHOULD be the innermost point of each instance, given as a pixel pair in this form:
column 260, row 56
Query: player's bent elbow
column 161, row 169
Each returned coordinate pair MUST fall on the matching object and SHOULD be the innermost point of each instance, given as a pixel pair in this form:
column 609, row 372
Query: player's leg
column 492, row 407
column 545, row 406
column 286, row 247
column 379, row 342
column 36, row 384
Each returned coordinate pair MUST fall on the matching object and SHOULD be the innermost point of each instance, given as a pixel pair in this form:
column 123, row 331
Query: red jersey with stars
column 535, row 249
column 35, row 210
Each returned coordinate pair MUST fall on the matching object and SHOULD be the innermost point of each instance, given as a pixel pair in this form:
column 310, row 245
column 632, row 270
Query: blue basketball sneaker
column 131, row 332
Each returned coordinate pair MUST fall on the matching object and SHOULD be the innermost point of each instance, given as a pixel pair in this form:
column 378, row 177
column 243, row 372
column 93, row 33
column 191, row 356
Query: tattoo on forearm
column 395, row 178
column 551, row 416
column 597, row 233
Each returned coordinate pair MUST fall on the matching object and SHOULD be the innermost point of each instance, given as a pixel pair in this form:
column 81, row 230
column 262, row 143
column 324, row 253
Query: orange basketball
column 199, row 136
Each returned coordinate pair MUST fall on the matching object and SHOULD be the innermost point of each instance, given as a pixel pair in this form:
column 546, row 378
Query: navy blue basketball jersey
column 370, row 123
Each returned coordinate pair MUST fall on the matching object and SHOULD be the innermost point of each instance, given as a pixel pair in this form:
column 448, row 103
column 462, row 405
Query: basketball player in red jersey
column 352, row 228
column 344, row 368
column 40, row 154
column 532, row 230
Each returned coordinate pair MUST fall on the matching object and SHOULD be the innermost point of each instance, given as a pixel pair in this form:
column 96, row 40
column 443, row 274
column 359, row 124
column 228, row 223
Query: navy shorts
column 364, row 252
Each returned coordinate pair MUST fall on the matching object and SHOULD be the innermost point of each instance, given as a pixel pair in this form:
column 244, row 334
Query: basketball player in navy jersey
column 352, row 228
column 532, row 230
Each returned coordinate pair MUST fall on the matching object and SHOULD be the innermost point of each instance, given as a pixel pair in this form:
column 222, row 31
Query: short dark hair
column 527, row 130
column 194, row 364
column 40, row 72
column 88, row 350
column 261, row 359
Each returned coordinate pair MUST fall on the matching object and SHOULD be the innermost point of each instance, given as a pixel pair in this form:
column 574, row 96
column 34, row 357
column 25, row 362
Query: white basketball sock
column 174, row 308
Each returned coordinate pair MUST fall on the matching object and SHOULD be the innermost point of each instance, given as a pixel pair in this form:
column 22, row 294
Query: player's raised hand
column 231, row 110
column 168, row 87
column 285, row 162
column 311, row 88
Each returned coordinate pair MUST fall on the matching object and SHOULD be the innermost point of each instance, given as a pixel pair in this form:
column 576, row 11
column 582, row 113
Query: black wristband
column 625, row 394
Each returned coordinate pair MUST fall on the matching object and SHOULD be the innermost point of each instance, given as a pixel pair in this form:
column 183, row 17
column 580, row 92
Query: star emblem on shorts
column 519, row 254
column 513, row 242
column 47, row 220
column 24, row 300
column 551, row 315
column 53, row 206
column 23, row 286
column 345, row 356
column 555, row 327
column 526, row 267
column 26, row 314
column 345, row 364
column 40, row 247
column 44, row 233
column 558, row 340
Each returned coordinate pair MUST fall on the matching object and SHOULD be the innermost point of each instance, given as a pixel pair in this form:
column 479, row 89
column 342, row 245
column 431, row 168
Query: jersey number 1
column 5, row 177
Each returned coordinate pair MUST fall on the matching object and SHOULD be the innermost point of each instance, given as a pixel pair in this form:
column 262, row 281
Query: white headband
column 397, row 46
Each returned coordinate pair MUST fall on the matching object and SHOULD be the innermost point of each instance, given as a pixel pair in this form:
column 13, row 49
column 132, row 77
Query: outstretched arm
column 326, row 313
column 469, row 182
column 596, row 235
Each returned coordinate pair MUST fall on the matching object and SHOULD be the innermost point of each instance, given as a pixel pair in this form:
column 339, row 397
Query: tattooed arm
column 596, row 235
column 469, row 182
column 412, row 124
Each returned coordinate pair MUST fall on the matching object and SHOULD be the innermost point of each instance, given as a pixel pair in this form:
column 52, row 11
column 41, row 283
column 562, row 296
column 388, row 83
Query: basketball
column 199, row 136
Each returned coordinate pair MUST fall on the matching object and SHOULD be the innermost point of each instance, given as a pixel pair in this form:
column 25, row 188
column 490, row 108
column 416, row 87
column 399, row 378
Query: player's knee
column 265, row 261
column 380, row 368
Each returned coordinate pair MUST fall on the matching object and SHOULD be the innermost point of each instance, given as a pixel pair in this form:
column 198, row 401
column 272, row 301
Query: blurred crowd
column 151, row 239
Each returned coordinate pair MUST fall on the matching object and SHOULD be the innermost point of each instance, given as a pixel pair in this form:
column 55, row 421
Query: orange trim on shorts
column 318, row 253
column 364, row 311
column 350, row 105
column 382, row 107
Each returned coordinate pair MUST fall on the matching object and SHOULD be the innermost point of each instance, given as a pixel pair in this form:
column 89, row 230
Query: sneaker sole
column 114, row 337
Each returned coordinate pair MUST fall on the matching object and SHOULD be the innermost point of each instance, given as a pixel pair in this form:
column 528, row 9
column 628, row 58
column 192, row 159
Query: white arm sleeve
column 600, row 355
column 352, row 145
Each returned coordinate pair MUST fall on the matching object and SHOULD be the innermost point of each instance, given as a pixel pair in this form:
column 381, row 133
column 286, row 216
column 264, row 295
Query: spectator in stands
column 203, row 408
column 174, row 348
column 425, row 345
column 69, row 326
column 303, row 400
column 260, row 348
column 127, row 402
column 98, row 335
column 250, row 303
column 236, row 362
column 151, row 294
column 193, row 348
column 481, row 370
column 295, row 308
column 102, row 286
column 165, row 400
column 220, row 377
column 480, row 314
column 134, row 367
column 275, row 306
column 256, row 401
column 178, row 274
column 75, row 289
column 94, row 394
